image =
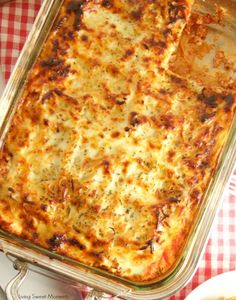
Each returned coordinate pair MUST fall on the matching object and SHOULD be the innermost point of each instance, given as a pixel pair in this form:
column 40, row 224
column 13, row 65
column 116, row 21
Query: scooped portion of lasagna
column 109, row 153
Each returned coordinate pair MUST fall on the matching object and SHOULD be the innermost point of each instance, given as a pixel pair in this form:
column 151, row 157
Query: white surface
column 35, row 285
column 223, row 285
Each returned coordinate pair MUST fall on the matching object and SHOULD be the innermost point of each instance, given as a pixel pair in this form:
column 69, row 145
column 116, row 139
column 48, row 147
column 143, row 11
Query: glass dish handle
column 14, row 285
column 94, row 295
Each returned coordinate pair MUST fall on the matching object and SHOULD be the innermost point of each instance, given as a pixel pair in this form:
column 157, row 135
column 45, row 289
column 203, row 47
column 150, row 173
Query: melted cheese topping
column 109, row 154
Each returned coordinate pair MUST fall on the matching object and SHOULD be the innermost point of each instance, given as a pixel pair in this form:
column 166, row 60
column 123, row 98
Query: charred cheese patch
column 109, row 154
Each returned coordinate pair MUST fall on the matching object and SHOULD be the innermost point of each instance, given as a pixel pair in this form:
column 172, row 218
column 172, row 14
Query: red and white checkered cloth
column 16, row 19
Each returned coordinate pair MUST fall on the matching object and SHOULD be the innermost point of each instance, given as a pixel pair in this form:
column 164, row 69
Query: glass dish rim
column 196, row 241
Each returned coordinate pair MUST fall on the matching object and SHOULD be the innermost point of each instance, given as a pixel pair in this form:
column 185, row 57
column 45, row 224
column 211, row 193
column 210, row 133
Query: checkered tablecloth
column 16, row 19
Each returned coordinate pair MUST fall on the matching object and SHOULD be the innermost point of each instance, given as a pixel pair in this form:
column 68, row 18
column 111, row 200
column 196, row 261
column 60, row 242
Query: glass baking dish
column 185, row 267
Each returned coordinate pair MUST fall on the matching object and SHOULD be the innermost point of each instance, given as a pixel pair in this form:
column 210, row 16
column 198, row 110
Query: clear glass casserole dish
column 98, row 279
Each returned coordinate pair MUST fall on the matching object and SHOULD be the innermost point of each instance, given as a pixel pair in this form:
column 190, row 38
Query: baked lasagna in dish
column 109, row 154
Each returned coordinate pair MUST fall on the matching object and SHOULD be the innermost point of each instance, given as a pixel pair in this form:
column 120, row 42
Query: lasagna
column 110, row 153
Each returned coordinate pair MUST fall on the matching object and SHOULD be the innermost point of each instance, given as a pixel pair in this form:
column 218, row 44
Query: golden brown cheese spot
column 230, row 100
column 206, row 117
column 167, row 121
column 171, row 155
column 136, row 14
column 176, row 10
column 209, row 99
column 107, row 3
column 75, row 7
column 115, row 134
column 84, row 38
column 56, row 240
column 51, row 63
column 128, row 54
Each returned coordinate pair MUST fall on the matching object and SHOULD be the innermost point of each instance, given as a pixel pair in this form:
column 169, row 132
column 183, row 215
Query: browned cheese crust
column 109, row 154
